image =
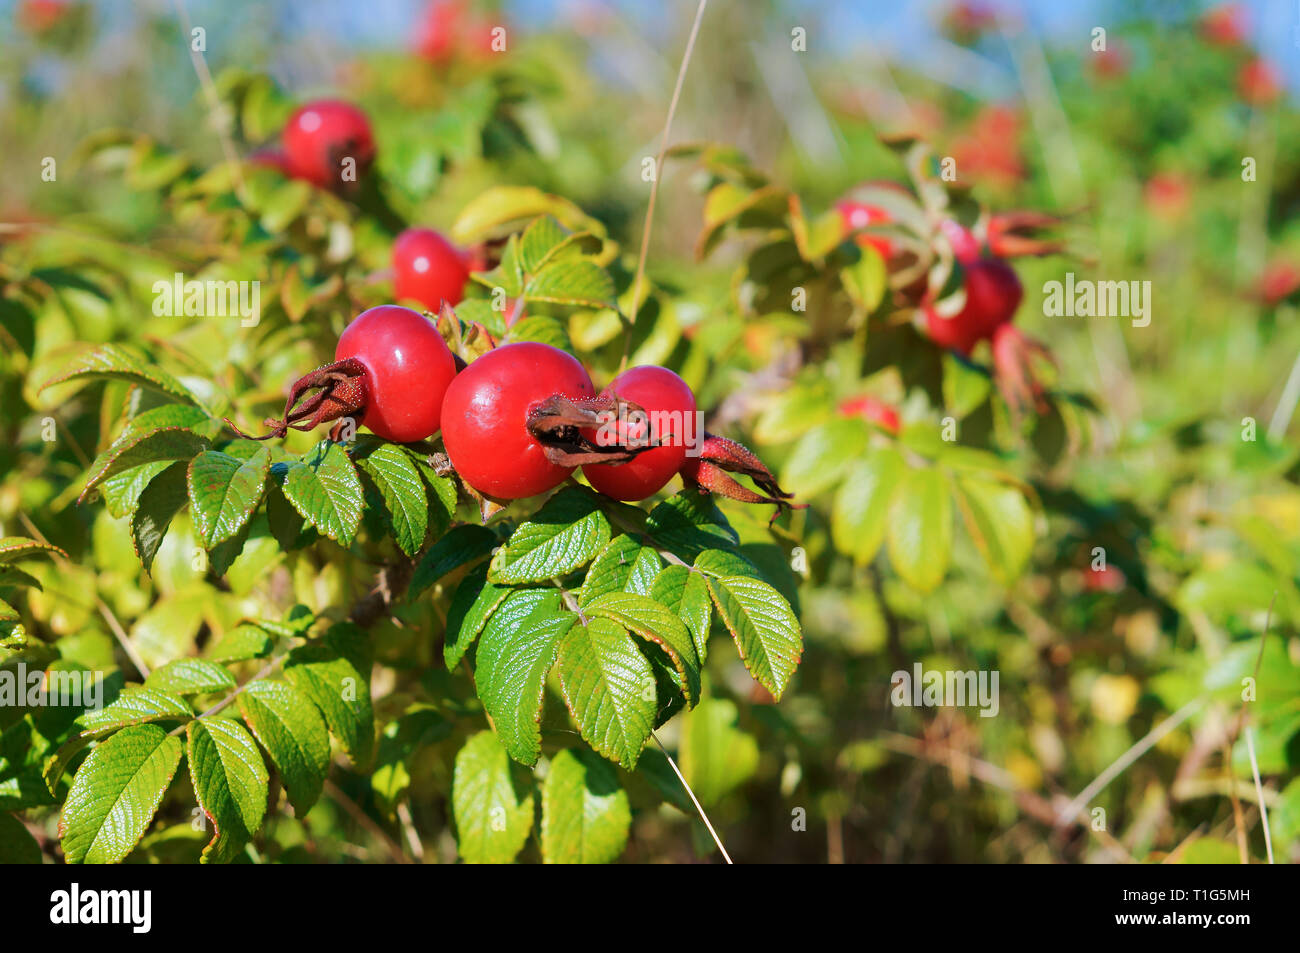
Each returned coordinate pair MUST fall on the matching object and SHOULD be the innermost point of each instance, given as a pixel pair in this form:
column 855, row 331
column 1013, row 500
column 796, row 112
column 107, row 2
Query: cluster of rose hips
column 992, row 293
column 520, row 419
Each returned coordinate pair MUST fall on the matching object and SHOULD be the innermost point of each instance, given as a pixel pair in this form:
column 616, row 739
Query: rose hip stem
column 341, row 393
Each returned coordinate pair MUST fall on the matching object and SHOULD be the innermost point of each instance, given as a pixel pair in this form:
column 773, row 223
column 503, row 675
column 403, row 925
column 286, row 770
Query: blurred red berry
column 1279, row 281
column 873, row 411
column 321, row 135
column 1224, row 25
column 37, row 16
column 1167, row 195
column 1258, row 82
column 1107, row 579
column 855, row 215
column 450, row 29
column 429, row 269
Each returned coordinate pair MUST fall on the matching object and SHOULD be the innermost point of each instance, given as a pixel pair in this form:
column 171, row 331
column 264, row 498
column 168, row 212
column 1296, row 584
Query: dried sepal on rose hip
column 390, row 374
column 720, row 457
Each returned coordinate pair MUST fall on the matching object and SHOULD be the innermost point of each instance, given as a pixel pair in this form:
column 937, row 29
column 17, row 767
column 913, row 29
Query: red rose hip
column 429, row 269
column 670, row 407
column 485, row 418
column 320, row 135
column 408, row 366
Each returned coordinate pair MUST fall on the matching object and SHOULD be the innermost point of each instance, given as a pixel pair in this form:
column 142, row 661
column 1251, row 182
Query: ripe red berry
column 671, row 408
column 408, row 368
column 1258, row 82
column 320, row 135
column 855, row 215
column 993, row 292
column 485, row 418
column 429, row 269
column 873, row 411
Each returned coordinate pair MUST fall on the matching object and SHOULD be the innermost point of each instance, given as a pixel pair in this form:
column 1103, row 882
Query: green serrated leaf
column 689, row 523
column 564, row 535
column 136, row 448
column 159, row 503
column 14, row 548
column 612, row 568
column 402, row 489
column 510, row 668
column 686, row 594
column 763, row 625
column 190, row 676
column 324, row 488
column 657, row 623
column 609, row 689
column 1000, row 521
column 230, row 782
column 13, row 577
column 240, row 644
column 115, row 794
column 293, row 732
column 860, row 514
column 121, row 492
column 474, row 601
column 334, row 673
column 115, row 362
column 224, row 490
column 572, row 281
column 585, row 813
column 134, row 706
column 920, row 528
column 492, row 823
column 461, row 546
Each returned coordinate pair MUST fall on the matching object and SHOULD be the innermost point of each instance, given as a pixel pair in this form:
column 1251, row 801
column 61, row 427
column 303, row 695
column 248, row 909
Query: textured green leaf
column 823, row 455
column 686, row 594
column 564, row 535
column 115, row 794
column 121, row 492
column 17, row 846
column 545, row 239
column 292, row 731
column 474, row 601
column 158, row 505
column 324, row 488
column 860, row 515
column 224, row 491
column 609, row 689
column 763, row 625
column 623, row 565
column 657, row 623
column 334, row 673
column 510, row 668
column 240, row 643
column 176, row 415
column 442, row 508
column 13, row 577
column 920, row 528
column 460, row 547
column 572, row 281
column 230, row 781
column 492, row 823
column 1000, row 521
column 585, row 813
column 689, row 523
column 115, row 362
column 716, row 757
column 541, row 328
column 402, row 489
column 134, row 706
column 190, row 676
column 14, row 548
column 135, row 449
